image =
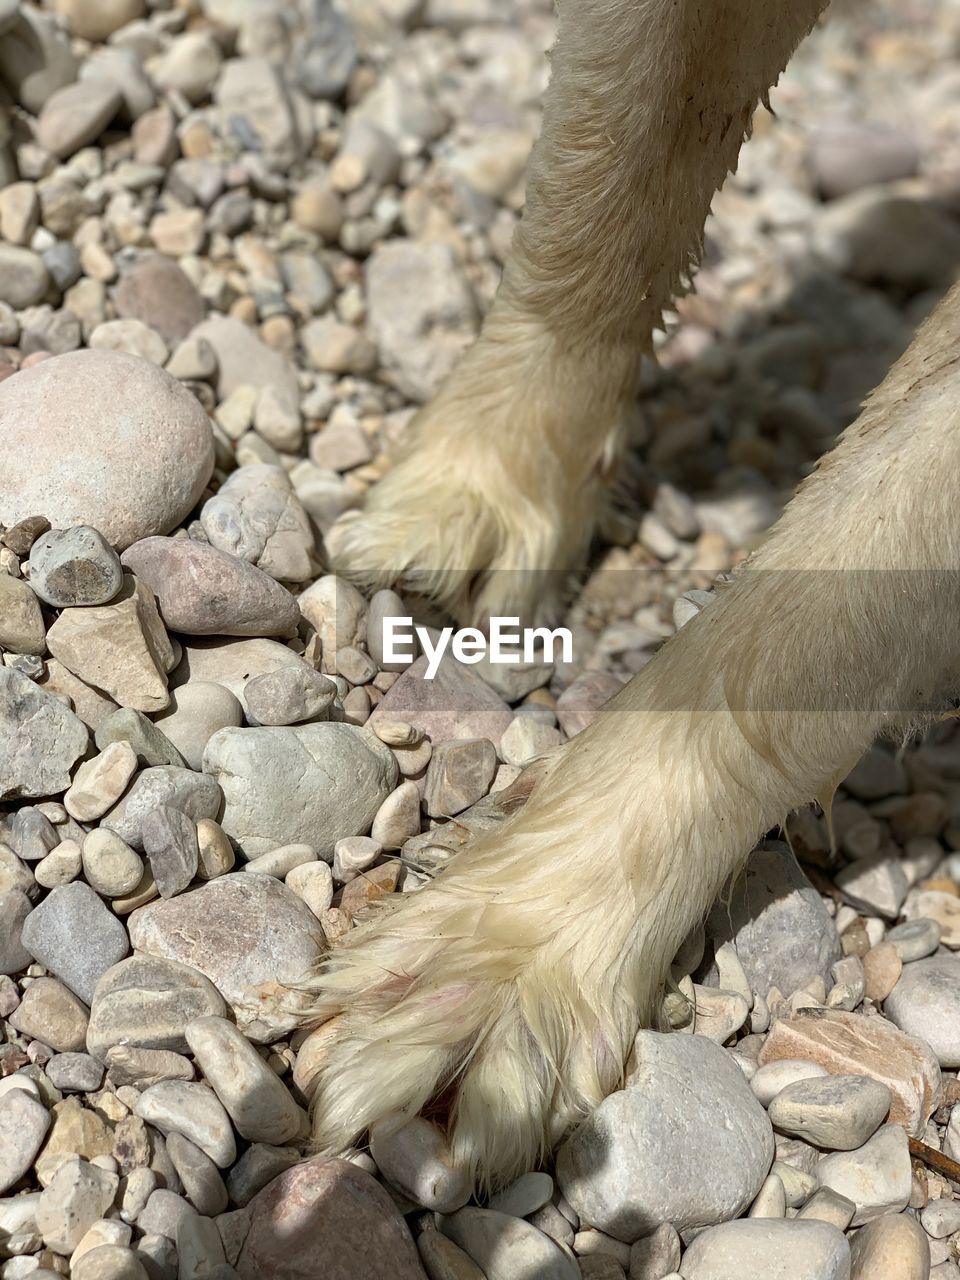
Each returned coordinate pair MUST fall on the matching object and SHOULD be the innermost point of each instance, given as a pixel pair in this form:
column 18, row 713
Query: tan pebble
column 881, row 970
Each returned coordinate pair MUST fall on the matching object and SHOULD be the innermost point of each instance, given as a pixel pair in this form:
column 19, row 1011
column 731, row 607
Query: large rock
column 776, row 919
column 685, row 1142
column 249, row 934
column 768, row 1249
column 456, row 703
column 327, row 1218
column 313, row 784
column 104, row 439
column 203, row 591
column 40, row 739
column 147, row 1002
column 926, row 1003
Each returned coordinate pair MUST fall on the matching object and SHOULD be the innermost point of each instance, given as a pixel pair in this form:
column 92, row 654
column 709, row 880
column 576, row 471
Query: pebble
column 278, row 862
column 757, row 1249
column 881, row 971
column 75, row 1072
column 778, row 924
column 848, row 1044
column 77, row 1196
column 99, row 783
column 915, row 939
column 243, row 360
column 257, row 517
column 98, row 21
column 327, row 1218
column 415, row 1158
column 49, row 1012
column 170, row 843
column 354, row 855
column 133, row 467
column 249, row 934
column 506, row 1248
column 202, row 1183
column 121, row 648
column 109, row 865
column 442, row 1260
column 108, row 1262
column 655, row 1256
column 456, row 703
column 258, row 1165
column 25, row 279
column 24, row 1122
column 877, row 1177
column 529, row 1193
column 40, row 739
column 313, row 784
column 288, row 696
column 190, row 65
column 893, row 1247
column 581, row 702
column 926, row 1003
column 768, row 1080
column 337, row 612
column 876, row 884
column 179, row 1106
column 196, row 711
column 157, row 291
column 458, row 775
column 257, row 1101
column 126, row 725
column 146, row 1002
column 76, row 115
column 233, row 663
column 22, row 628
column 163, row 1214
column 53, row 932
column 837, row 1112
column 215, row 856
column 193, row 794
column 313, row 883
column 628, row 1167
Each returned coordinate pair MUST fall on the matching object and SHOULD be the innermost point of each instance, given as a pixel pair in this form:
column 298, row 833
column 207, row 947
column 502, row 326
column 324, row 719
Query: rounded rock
column 926, row 1003
column 109, row 864
column 196, row 712
column 95, row 20
column 506, row 1248
column 146, row 1002
column 104, row 439
column 108, row 1262
column 836, row 1112
column 758, row 1249
column 415, row 1158
column 180, row 1106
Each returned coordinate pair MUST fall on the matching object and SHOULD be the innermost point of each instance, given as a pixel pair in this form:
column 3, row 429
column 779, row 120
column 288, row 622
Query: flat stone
column 768, row 1080
column 147, row 1002
column 530, row 1192
column 312, row 784
column 196, row 712
column 253, row 91
column 416, row 1159
column 170, row 843
column 506, row 1248
column 256, row 516
column 22, row 628
column 40, row 739
column 628, row 1166
column 915, row 939
column 72, row 934
column 243, row 360
column 249, row 934
column 190, row 65
column 848, row 1044
column 121, row 648
column 194, row 794
column 926, row 1003
column 101, row 438
column 76, row 115
column 155, row 290
column 255, row 1098
column 152, row 746
column 337, row 612
column 291, row 695
column 258, row 1165
column 203, row 591
column 91, row 705
column 179, row 1106
column 455, row 704
column 49, row 1012
column 23, row 1126
column 327, row 1218
column 161, row 1216
column 892, row 1246
column 836, row 1112
column 99, row 783
column 877, row 1177
column 233, row 663
column 75, row 1072
column 760, row 1249
column 398, row 818
column 77, row 1196
column 934, row 904
column 98, row 21
column 459, row 774
column 876, row 884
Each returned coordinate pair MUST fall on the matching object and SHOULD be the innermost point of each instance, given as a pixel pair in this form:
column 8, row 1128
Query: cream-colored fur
column 493, row 501
column 512, row 986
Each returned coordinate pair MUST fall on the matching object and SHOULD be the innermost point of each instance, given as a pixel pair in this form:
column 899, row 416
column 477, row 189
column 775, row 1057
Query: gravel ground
column 283, row 225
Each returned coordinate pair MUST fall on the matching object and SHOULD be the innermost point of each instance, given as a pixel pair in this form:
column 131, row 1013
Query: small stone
column 398, row 818
column 278, row 862
column 257, row 516
column 416, row 1159
column 943, row 908
column 190, row 65
column 293, row 785
column 76, row 115
column 152, row 747
column 196, row 712
column 926, row 1003
column 99, row 783
column 252, row 91
column 157, row 291
column 875, row 884
column 22, row 628
column 653, row 1257
column 836, row 1112
column 72, row 934
column 176, row 1106
column 40, row 739
column 313, row 883
column 109, row 864
column 23, row 1126
column 526, row 739
column 614, row 1171
column 179, row 232
column 288, row 696
column 50, row 1013
column 75, row 1072
column 78, row 1194
column 15, row 909
column 170, row 843
column 506, row 1248
column 108, row 1262
column 258, row 1165
column 215, row 856
column 97, row 22
column 203, row 591
column 257, row 1101
column 881, row 970
column 455, row 704
column 24, row 276
column 162, row 1215
column 336, row 1219
column 581, row 702
column 193, row 794
column 530, row 1192
column 879, row 237
column 915, row 939
column 876, row 1178
column 202, row 1183
column 19, row 212
column 340, row 448
column 755, row 1249
column 768, row 1080
column 248, row 934
column 827, row 1206
column 892, row 1246
column 121, row 647
column 719, row 1014
column 146, row 1002
column 443, row 1260
column 459, row 774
